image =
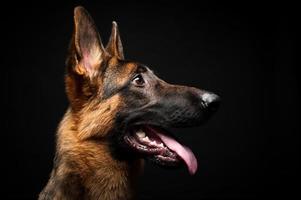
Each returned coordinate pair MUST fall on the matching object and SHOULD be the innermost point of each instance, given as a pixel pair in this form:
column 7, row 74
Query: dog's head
column 125, row 103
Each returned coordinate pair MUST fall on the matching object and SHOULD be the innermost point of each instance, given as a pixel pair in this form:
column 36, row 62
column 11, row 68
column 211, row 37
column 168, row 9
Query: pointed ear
column 114, row 46
column 89, row 51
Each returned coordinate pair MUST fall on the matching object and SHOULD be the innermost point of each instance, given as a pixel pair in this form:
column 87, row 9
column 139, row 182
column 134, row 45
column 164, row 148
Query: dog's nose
column 211, row 101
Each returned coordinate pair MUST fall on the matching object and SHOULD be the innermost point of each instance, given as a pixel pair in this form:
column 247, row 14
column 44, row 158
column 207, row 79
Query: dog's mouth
column 159, row 146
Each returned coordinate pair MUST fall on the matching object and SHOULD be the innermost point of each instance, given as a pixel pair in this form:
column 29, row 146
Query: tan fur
column 84, row 167
column 102, row 176
column 121, row 74
column 90, row 125
column 83, row 149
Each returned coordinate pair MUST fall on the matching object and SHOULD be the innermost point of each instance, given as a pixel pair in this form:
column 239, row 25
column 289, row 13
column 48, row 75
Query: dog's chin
column 159, row 146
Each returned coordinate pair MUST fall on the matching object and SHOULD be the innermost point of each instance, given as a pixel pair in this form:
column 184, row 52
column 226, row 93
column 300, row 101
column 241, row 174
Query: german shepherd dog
column 119, row 114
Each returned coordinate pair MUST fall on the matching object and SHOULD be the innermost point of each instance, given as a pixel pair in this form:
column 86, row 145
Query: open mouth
column 159, row 146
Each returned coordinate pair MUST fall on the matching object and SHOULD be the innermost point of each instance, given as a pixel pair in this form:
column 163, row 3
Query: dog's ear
column 114, row 46
column 87, row 50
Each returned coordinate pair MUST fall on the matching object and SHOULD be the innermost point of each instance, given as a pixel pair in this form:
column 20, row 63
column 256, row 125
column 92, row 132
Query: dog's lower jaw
column 86, row 169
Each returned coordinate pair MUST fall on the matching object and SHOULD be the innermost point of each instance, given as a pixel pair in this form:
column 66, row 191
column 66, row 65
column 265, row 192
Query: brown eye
column 138, row 80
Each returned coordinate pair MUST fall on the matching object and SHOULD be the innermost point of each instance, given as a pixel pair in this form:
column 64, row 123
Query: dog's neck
column 89, row 168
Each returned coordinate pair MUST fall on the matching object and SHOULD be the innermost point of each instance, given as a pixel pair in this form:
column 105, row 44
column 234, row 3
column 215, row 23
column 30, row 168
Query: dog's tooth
column 140, row 134
column 161, row 145
column 146, row 138
column 153, row 143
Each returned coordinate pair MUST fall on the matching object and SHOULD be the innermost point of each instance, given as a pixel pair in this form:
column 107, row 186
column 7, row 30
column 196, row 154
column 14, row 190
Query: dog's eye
column 138, row 80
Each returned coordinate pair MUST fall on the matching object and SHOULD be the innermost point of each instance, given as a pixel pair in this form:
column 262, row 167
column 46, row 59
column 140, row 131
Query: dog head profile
column 124, row 103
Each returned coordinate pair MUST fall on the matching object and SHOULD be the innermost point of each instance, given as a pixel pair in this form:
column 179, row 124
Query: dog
column 120, row 114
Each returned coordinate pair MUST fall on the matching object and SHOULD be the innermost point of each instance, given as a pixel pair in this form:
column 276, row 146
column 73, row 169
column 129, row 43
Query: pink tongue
column 184, row 152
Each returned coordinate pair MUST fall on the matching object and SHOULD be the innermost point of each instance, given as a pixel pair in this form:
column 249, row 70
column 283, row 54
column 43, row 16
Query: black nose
column 211, row 101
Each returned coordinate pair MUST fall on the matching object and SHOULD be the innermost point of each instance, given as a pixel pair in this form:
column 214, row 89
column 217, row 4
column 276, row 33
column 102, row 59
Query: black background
column 243, row 52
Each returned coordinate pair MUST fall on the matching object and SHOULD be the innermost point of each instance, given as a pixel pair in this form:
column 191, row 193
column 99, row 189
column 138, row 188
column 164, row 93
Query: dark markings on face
column 119, row 74
column 149, row 99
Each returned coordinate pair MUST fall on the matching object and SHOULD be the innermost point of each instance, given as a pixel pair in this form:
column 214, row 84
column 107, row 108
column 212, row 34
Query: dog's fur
column 89, row 163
